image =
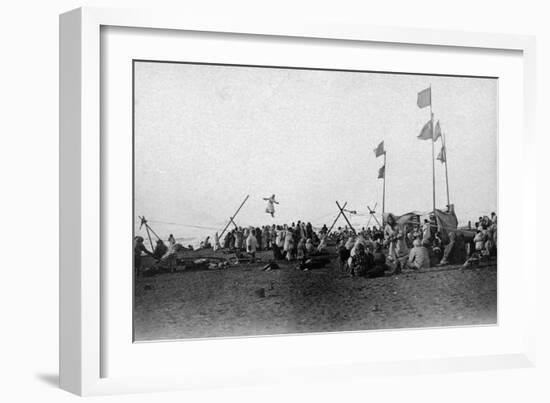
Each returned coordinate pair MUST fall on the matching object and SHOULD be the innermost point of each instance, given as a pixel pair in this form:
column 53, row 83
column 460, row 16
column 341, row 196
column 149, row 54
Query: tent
column 445, row 221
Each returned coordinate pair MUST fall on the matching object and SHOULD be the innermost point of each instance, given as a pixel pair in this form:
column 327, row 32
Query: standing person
column 226, row 239
column 217, row 245
column 289, row 244
column 232, row 240
column 479, row 240
column 309, row 230
column 171, row 240
column 343, row 255
column 238, row 240
column 266, row 237
column 426, row 233
column 160, row 249
column 258, row 233
column 298, row 231
column 493, row 232
column 251, row 245
column 139, row 247
column 280, row 238
column 270, row 208
column 301, row 249
column 398, row 251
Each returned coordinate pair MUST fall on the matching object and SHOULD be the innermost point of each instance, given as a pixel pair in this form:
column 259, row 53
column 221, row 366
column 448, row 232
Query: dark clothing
column 138, row 248
column 160, row 250
column 277, row 255
column 362, row 263
column 376, row 271
column 379, row 260
column 314, row 263
column 259, row 238
column 455, row 251
column 343, row 253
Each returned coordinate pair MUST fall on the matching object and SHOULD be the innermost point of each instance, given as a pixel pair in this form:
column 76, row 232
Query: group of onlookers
column 413, row 246
column 410, row 245
column 289, row 242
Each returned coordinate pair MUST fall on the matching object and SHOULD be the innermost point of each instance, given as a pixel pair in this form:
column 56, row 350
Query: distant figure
column 309, row 246
column 343, row 256
column 288, row 247
column 395, row 238
column 270, row 209
column 139, row 247
column 322, row 244
column 160, row 249
column 426, row 233
column 171, row 240
column 251, row 245
column 217, row 245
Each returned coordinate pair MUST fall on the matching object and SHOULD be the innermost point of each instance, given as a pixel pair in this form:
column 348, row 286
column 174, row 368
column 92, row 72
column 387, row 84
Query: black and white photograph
column 273, row 200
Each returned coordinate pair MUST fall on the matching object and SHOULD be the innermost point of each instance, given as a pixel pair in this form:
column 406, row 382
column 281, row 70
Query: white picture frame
column 82, row 344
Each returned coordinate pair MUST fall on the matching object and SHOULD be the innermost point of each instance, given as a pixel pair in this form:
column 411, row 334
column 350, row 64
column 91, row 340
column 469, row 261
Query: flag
column 382, row 172
column 437, row 132
column 378, row 151
column 442, row 156
column 426, row 132
column 424, row 98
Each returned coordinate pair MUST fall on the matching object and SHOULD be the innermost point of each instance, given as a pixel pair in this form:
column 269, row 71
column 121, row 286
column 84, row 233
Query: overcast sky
column 207, row 136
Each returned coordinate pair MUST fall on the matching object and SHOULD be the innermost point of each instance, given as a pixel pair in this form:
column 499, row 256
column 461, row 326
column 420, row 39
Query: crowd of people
column 369, row 252
column 288, row 242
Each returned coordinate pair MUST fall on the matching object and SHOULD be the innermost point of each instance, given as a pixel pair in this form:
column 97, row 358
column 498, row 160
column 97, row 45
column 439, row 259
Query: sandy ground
column 223, row 303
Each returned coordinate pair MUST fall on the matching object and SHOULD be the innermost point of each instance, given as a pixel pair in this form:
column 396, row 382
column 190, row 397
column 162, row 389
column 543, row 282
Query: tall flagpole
column 384, row 189
column 446, row 172
column 433, row 151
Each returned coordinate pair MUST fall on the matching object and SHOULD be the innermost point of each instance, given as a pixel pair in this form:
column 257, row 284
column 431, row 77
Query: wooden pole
column 384, row 188
column 234, row 215
column 151, row 229
column 446, row 171
column 433, row 152
column 149, row 235
column 346, row 218
column 336, row 219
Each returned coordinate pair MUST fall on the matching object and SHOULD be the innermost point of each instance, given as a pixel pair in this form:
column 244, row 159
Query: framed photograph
column 248, row 202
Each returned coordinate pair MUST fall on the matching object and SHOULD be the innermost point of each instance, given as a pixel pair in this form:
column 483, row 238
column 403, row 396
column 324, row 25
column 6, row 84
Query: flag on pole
column 378, row 151
column 424, row 98
column 437, row 132
column 426, row 132
column 382, row 172
column 442, row 156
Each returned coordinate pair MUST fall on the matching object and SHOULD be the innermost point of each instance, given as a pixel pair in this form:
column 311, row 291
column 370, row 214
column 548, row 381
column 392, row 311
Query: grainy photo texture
column 273, row 200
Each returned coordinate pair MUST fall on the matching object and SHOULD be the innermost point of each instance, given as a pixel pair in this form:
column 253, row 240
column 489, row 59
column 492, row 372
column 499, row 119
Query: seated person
column 419, row 258
column 361, row 262
column 379, row 259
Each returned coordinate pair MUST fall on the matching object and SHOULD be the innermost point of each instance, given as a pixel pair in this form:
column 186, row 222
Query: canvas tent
column 446, row 221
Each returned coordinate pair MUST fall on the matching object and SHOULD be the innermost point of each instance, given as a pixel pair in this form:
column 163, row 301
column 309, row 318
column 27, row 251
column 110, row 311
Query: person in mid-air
column 270, row 209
